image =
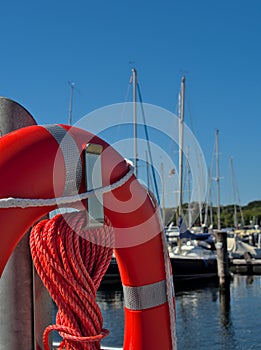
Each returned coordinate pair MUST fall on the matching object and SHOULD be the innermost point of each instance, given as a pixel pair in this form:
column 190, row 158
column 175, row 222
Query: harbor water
column 206, row 318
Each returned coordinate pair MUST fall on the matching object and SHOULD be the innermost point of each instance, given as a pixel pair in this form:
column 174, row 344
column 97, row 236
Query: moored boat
column 193, row 261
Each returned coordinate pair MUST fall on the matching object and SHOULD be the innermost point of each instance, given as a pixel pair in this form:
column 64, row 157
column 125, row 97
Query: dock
column 245, row 266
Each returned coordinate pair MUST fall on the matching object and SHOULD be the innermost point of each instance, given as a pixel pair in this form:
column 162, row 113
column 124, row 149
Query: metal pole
column 218, row 182
column 17, row 308
column 163, row 193
column 134, row 85
column 234, row 192
column 43, row 310
column 71, row 103
column 181, row 137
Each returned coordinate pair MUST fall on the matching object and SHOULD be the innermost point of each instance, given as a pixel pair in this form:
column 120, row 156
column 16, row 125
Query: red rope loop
column 69, row 334
column 71, row 260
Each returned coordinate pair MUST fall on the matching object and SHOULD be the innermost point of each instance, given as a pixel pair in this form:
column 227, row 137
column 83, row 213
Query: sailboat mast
column 188, row 170
column 236, row 197
column 181, row 141
column 163, row 192
column 208, row 201
column 234, row 192
column 218, row 181
column 71, row 102
column 135, row 151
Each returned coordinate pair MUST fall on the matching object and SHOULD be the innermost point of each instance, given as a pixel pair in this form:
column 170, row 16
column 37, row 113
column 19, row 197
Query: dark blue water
column 206, row 319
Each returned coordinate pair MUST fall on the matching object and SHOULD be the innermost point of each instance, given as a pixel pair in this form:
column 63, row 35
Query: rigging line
column 200, row 184
column 149, row 150
column 188, row 105
column 208, row 201
column 71, row 102
column 128, row 89
column 126, row 97
column 123, row 106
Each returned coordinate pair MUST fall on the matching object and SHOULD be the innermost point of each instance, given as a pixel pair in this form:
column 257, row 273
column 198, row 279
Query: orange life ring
column 36, row 163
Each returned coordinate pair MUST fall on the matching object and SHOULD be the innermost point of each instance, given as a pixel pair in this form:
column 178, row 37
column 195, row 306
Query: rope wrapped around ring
column 71, row 260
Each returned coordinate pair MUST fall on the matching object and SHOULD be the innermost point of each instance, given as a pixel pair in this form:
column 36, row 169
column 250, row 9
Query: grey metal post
column 43, row 311
column 16, row 284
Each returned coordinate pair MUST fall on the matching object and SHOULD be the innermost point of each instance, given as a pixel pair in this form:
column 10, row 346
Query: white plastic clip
column 93, row 173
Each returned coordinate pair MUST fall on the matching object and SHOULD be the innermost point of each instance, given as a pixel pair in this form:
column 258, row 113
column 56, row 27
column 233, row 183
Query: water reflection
column 110, row 298
column 224, row 298
column 206, row 318
column 227, row 339
column 110, row 301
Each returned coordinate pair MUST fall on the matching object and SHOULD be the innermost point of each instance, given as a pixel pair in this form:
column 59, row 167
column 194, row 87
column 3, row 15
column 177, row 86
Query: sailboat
column 239, row 248
column 194, row 256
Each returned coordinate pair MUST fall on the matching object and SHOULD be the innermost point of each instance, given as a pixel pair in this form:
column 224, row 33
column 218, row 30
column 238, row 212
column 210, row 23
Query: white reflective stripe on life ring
column 147, row 296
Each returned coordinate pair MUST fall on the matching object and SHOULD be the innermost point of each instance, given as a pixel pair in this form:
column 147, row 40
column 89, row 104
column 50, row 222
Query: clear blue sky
column 215, row 44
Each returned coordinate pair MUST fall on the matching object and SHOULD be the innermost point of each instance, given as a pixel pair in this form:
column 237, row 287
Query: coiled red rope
column 71, row 261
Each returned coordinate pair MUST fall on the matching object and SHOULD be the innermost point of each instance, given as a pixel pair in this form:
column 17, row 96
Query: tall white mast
column 218, row 181
column 72, row 85
column 135, row 151
column 209, row 203
column 181, row 141
column 188, row 171
column 236, row 196
column 163, row 192
column 234, row 192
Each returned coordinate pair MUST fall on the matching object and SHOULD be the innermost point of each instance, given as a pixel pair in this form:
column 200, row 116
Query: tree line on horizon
column 250, row 213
